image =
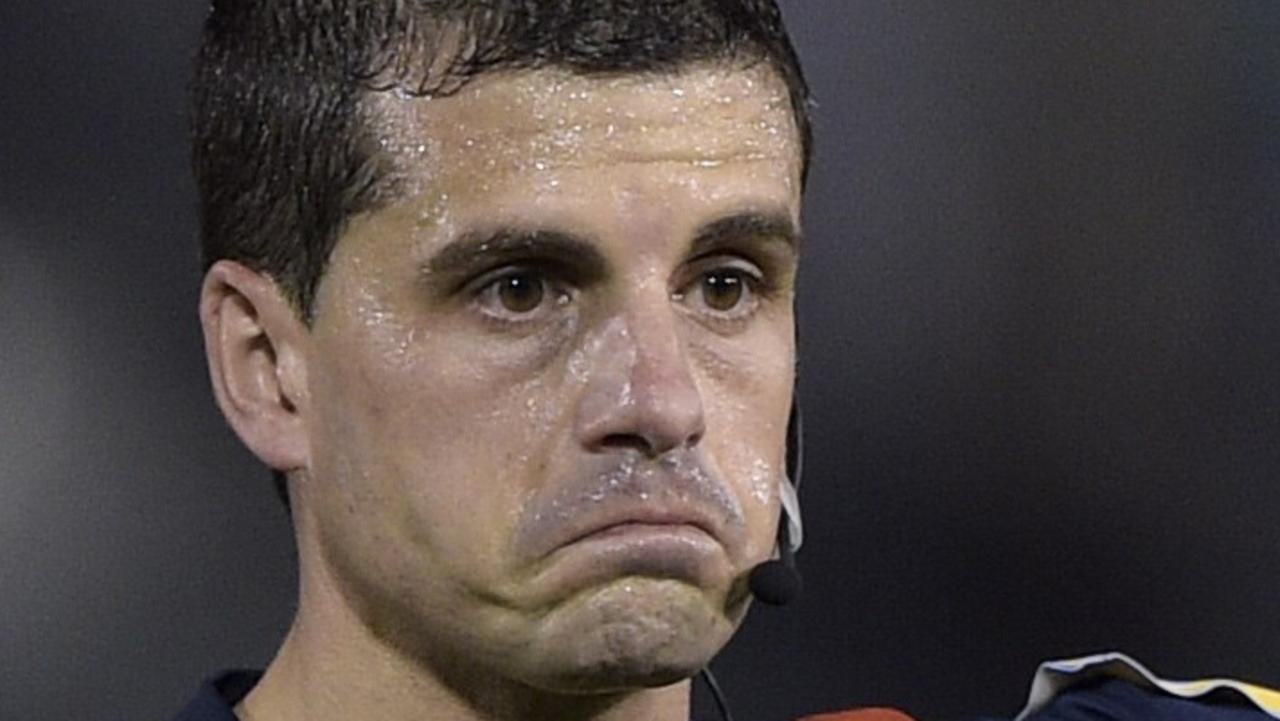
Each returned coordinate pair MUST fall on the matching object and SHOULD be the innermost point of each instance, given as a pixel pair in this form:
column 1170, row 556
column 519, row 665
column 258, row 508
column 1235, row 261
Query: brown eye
column 722, row 290
column 521, row 293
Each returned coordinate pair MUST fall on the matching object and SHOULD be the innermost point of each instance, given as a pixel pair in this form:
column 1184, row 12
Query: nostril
column 627, row 442
column 650, row 447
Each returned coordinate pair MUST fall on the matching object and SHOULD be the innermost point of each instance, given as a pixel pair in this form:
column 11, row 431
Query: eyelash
column 754, row 284
column 484, row 296
column 486, row 289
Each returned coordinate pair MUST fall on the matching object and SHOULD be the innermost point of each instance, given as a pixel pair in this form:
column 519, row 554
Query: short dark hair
column 281, row 153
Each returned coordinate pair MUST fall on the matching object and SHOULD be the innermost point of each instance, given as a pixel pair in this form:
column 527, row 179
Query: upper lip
column 630, row 511
column 609, row 491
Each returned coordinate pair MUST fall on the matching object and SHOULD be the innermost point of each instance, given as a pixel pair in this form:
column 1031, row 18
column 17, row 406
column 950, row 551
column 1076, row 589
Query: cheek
column 746, row 380
column 439, row 447
column 746, row 388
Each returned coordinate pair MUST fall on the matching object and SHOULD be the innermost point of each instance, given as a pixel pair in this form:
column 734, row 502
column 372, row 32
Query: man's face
column 548, row 385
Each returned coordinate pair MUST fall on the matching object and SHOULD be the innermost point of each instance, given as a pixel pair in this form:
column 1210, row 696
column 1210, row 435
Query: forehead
column 539, row 124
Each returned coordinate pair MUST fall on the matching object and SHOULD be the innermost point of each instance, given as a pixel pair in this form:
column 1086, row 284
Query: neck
column 332, row 668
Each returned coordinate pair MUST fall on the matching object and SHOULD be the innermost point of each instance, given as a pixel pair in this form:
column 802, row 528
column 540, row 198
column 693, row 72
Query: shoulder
column 1115, row 687
column 1116, row 699
column 216, row 698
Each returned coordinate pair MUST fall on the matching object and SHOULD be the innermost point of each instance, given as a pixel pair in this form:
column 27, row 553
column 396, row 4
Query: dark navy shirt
column 1108, row 699
column 218, row 696
column 1105, row 700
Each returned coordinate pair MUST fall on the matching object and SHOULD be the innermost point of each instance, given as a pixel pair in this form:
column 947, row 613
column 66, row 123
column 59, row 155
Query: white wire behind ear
column 791, row 506
column 790, row 489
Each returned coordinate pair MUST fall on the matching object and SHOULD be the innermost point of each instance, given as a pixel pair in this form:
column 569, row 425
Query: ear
column 255, row 344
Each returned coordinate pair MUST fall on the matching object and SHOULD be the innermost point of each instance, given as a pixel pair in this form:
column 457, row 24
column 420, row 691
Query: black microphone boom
column 777, row 582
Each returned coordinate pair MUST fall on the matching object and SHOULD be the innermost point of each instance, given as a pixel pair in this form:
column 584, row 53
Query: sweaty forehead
column 552, row 119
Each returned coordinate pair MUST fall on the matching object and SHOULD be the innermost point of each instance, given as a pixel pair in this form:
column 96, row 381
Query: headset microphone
column 777, row 582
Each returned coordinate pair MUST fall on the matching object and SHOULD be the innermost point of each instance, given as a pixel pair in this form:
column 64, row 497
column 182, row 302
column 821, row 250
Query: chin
column 633, row 633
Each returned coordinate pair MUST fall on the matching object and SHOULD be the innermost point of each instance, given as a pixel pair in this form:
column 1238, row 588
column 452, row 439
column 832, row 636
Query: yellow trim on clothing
column 1055, row 676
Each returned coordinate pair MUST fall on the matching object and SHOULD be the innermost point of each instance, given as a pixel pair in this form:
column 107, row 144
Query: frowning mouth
column 626, row 540
column 631, row 549
column 672, row 505
column 645, row 524
column 636, row 528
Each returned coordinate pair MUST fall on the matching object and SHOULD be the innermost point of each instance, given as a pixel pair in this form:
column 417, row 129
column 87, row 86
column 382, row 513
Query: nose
column 639, row 392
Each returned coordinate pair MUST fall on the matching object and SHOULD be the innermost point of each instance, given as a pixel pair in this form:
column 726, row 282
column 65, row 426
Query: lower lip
column 654, row 550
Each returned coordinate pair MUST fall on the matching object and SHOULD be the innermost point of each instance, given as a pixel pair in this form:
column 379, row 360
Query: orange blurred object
column 865, row 714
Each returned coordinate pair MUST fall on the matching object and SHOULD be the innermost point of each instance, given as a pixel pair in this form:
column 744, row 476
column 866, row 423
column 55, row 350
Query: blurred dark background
column 1040, row 321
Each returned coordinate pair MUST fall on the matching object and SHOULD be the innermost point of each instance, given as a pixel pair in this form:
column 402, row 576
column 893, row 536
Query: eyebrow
column 747, row 225
column 479, row 249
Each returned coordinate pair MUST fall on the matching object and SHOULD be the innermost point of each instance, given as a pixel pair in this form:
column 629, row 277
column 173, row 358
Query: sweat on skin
column 574, row 307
